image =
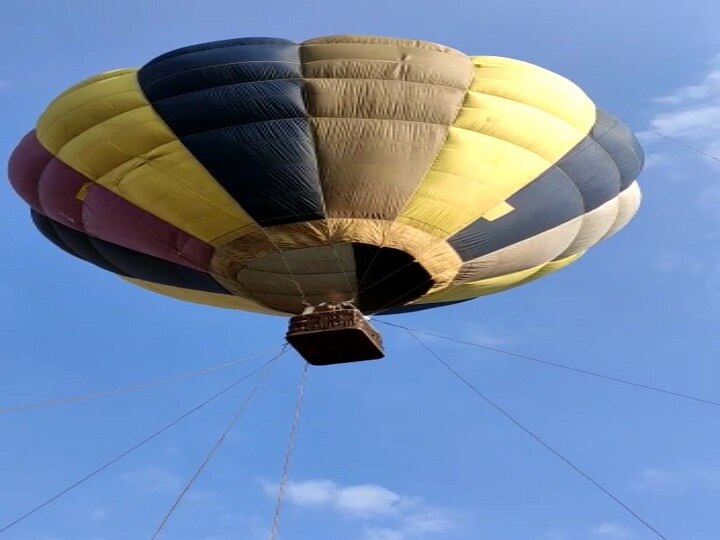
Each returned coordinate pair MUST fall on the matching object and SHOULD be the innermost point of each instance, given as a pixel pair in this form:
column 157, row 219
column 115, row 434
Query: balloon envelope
column 266, row 175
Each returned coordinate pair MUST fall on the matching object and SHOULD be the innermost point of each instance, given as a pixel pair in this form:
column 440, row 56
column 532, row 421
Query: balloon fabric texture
column 266, row 175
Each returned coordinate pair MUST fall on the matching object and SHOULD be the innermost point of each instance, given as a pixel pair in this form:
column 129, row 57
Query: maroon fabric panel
column 53, row 189
column 58, row 189
column 112, row 218
column 25, row 168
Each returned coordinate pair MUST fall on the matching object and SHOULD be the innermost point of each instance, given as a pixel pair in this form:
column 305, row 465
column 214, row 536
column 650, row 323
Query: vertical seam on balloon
column 330, row 238
column 417, row 187
column 253, row 221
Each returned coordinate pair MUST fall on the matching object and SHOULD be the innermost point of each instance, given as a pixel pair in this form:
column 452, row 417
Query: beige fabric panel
column 595, row 224
column 529, row 253
column 369, row 168
column 380, row 109
column 352, row 55
column 320, row 273
column 438, row 258
column 628, row 204
column 239, row 264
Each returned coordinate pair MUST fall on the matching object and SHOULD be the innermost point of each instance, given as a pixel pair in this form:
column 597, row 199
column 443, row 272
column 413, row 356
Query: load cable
column 685, row 145
column 132, row 388
column 212, row 452
column 141, row 443
column 557, row 365
column 282, row 488
column 538, row 439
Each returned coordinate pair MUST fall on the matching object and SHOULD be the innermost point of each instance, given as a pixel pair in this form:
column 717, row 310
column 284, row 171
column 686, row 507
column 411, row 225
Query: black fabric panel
column 269, row 168
column 622, row 146
column 238, row 107
column 592, row 171
column 421, row 307
column 123, row 261
column 74, row 242
column 213, row 76
column 188, row 51
column 547, row 202
column 387, row 277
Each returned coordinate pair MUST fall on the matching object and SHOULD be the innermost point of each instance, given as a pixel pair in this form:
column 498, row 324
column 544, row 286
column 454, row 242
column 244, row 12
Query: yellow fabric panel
column 552, row 266
column 498, row 211
column 201, row 297
column 495, row 284
column 473, row 173
column 106, row 130
column 498, row 144
column 537, row 87
column 87, row 104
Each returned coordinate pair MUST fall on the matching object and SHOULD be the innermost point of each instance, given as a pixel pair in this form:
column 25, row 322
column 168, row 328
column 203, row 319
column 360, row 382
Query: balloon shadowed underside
column 267, row 175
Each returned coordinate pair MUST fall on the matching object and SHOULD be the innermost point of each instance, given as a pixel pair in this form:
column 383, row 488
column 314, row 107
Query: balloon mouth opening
column 388, row 278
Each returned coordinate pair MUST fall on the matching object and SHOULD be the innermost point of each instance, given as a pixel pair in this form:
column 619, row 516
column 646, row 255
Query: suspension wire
column 143, row 442
column 132, row 388
column 211, row 453
column 559, row 365
column 282, row 488
column 344, row 272
column 684, row 144
column 537, row 438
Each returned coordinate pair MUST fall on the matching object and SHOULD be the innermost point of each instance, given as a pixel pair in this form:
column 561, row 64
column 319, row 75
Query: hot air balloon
column 341, row 176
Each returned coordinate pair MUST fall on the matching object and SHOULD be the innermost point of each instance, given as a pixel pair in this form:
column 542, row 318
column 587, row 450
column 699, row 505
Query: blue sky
column 397, row 449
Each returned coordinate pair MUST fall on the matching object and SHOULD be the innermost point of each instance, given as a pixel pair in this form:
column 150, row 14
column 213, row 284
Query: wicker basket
column 334, row 337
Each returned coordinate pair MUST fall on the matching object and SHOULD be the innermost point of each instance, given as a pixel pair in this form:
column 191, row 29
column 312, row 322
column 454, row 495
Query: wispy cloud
column 385, row 514
column 99, row 514
column 611, row 531
column 152, row 480
column 689, row 114
column 678, row 479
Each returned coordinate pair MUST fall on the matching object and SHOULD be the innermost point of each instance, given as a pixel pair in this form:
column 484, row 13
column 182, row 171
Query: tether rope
column 211, row 453
column 557, row 365
column 139, row 444
column 538, row 439
column 132, row 388
column 282, row 488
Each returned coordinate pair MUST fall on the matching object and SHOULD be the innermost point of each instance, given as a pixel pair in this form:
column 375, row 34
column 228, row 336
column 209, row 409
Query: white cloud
column 690, row 114
column 679, row 479
column 361, row 500
column 99, row 514
column 678, row 262
column 612, row 531
column 385, row 514
column 420, row 524
column 657, row 479
column 367, row 500
column 709, row 87
column 382, row 533
column 490, row 338
column 152, row 480
column 555, row 534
